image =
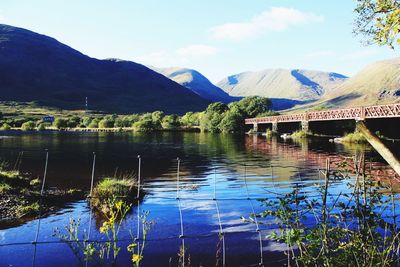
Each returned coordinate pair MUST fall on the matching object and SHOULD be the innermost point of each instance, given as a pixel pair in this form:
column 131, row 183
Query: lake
column 235, row 170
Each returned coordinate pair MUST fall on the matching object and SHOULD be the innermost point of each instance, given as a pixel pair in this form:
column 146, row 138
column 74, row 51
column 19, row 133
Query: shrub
column 108, row 189
column 144, row 125
column 356, row 137
column 29, row 209
column 5, row 127
column 28, row 126
column 41, row 127
column 299, row 134
column 106, row 123
column 94, row 124
column 60, row 123
column 170, row 122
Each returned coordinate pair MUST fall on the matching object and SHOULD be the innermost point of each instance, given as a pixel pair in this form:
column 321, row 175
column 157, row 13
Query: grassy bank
column 20, row 196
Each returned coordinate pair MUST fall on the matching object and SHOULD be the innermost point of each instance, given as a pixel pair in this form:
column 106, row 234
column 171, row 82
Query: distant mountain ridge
column 296, row 84
column 377, row 83
column 36, row 67
column 196, row 82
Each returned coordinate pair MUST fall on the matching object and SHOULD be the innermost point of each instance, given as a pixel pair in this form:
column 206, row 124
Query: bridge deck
column 356, row 113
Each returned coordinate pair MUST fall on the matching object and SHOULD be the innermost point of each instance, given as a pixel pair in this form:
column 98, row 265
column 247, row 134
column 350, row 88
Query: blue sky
column 215, row 37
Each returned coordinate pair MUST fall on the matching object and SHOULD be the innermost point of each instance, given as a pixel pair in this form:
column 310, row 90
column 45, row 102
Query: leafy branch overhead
column 379, row 21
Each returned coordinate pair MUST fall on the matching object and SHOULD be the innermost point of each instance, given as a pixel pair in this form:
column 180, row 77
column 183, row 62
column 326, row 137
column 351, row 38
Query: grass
column 355, row 137
column 299, row 134
column 109, row 189
column 269, row 133
column 28, row 209
column 4, row 187
column 10, row 174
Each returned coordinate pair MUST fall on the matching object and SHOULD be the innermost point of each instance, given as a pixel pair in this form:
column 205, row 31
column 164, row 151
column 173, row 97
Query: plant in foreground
column 104, row 253
column 348, row 229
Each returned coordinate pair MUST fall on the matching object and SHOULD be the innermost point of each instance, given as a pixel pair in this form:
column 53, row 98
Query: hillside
column 378, row 83
column 297, row 84
column 38, row 68
column 197, row 83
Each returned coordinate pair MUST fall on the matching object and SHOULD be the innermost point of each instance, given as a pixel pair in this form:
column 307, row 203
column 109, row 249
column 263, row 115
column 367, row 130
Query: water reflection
column 224, row 165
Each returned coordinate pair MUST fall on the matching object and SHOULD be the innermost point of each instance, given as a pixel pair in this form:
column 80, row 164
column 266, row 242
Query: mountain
column 35, row 67
column 295, row 84
column 378, row 83
column 197, row 83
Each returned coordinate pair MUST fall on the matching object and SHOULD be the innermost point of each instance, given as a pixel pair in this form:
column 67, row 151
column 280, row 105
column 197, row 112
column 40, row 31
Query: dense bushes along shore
column 218, row 117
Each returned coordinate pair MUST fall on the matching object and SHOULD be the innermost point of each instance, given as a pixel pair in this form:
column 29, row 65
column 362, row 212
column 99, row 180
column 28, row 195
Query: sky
column 216, row 37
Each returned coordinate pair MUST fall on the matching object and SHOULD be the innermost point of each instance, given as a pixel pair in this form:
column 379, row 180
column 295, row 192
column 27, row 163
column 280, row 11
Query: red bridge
column 356, row 113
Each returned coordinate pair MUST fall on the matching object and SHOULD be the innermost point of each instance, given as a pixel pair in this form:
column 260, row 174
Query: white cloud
column 360, row 54
column 197, row 50
column 179, row 57
column 276, row 19
column 319, row 54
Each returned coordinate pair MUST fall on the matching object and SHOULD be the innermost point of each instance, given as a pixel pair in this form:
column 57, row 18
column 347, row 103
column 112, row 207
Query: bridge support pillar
column 275, row 126
column 304, row 126
column 255, row 127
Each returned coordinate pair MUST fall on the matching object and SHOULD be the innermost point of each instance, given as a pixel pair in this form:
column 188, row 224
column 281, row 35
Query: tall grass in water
column 355, row 137
column 347, row 229
column 109, row 189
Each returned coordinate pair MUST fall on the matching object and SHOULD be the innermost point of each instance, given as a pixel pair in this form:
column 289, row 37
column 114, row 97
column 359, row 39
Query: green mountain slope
column 38, row 68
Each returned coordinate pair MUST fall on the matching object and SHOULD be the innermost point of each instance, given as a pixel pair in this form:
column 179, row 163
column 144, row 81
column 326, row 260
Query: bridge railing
column 357, row 113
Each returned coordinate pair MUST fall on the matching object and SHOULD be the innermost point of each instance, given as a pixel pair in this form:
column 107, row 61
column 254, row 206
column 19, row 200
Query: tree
column 106, row 123
column 233, row 121
column 170, row 122
column 210, row 120
column 144, row 125
column 94, row 123
column 41, row 127
column 191, row 119
column 73, row 122
column 379, row 21
column 253, row 105
column 5, row 127
column 28, row 126
column 60, row 123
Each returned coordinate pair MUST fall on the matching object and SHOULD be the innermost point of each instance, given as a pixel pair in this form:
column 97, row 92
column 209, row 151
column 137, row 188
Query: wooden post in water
column 379, row 146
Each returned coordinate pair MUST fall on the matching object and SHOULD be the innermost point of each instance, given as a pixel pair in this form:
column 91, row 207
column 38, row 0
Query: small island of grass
column 109, row 189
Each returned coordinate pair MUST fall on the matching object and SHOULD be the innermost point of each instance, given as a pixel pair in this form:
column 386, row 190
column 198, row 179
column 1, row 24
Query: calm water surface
column 239, row 169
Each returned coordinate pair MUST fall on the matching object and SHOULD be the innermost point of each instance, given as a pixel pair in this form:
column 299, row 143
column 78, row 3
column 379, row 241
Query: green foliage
column 299, row 134
column 219, row 117
column 41, row 127
column 109, row 188
column 5, row 127
column 345, row 230
column 269, row 133
column 254, row 105
column 268, row 113
column 379, row 21
column 73, row 122
column 144, row 125
column 28, row 126
column 233, row 121
column 105, row 253
column 170, row 122
column 28, row 209
column 217, row 108
column 191, row 119
column 60, row 123
column 356, row 137
column 4, row 187
column 106, row 123
column 94, row 123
